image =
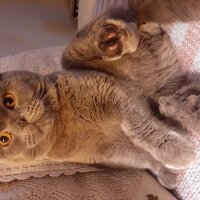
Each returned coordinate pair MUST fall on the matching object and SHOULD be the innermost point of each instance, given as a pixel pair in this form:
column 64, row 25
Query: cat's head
column 25, row 117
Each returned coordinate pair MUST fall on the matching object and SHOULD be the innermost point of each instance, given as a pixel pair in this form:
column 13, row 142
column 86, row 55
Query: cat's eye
column 9, row 101
column 5, row 139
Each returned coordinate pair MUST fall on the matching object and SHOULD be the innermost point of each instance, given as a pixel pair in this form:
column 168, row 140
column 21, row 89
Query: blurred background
column 30, row 24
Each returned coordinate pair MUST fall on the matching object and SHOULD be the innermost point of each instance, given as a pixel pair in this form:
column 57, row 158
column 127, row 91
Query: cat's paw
column 116, row 38
column 168, row 178
column 175, row 152
column 150, row 29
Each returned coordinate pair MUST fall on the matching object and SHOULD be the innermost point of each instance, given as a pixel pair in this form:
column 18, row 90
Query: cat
column 102, row 117
column 88, row 117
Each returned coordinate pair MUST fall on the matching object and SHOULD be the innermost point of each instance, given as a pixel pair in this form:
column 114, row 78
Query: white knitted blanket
column 186, row 39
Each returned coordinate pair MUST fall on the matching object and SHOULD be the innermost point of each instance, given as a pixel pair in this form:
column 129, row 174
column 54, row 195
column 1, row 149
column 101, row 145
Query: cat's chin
column 23, row 160
column 16, row 162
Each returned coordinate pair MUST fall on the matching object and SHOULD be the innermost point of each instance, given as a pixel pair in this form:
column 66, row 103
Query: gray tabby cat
column 103, row 117
column 89, row 117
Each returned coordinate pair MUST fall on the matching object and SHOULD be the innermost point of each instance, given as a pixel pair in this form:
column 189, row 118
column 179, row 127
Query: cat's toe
column 182, row 160
column 151, row 29
column 115, row 39
column 168, row 178
column 179, row 154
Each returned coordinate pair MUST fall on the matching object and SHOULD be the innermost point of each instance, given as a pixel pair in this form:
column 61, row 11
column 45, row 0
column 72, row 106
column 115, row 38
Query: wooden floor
column 28, row 24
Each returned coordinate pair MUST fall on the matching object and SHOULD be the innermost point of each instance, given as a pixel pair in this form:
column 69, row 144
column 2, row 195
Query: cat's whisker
column 51, row 106
column 48, row 92
column 43, row 89
column 47, row 109
column 54, row 92
column 37, row 94
column 19, row 78
column 39, row 91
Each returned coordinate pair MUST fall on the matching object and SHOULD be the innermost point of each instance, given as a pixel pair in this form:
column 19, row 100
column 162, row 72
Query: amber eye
column 9, row 101
column 5, row 139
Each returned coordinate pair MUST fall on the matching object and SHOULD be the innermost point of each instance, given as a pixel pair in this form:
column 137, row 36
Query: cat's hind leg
column 116, row 38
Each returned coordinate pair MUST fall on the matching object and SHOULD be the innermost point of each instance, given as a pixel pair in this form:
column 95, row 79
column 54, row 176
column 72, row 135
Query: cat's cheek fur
column 14, row 154
column 34, row 111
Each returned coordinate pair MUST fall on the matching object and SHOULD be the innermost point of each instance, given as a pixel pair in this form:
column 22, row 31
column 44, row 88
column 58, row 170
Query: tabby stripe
column 57, row 91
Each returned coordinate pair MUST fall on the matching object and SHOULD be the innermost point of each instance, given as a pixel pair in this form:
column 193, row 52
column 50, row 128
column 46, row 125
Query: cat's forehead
column 15, row 75
column 18, row 78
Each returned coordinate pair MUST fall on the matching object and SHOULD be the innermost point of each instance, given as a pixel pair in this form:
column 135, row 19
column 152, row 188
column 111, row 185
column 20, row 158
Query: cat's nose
column 3, row 119
column 2, row 125
column 22, row 120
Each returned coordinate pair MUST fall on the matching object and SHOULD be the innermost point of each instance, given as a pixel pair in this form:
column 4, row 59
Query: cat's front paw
column 116, row 38
column 175, row 152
